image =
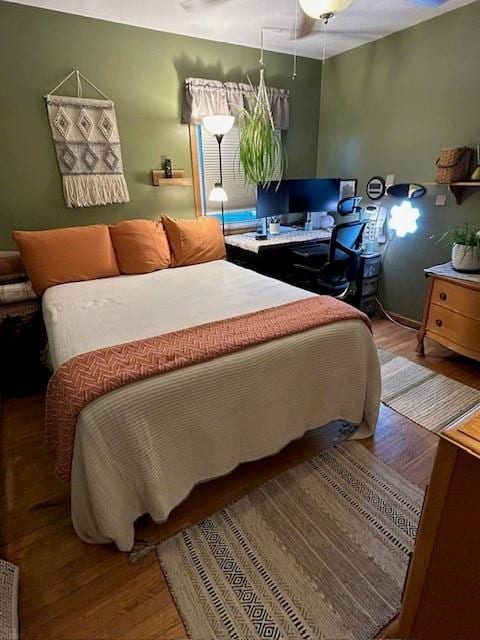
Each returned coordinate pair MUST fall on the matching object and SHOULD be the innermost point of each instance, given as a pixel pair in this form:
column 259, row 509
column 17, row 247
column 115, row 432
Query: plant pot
column 274, row 228
column 465, row 258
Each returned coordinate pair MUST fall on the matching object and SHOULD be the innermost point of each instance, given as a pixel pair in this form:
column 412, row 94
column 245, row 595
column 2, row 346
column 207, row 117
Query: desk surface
column 247, row 241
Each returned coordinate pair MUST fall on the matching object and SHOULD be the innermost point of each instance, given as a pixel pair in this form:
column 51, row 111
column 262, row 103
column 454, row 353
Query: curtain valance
column 211, row 97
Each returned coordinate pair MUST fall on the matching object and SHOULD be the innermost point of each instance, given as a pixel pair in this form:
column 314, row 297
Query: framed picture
column 348, row 188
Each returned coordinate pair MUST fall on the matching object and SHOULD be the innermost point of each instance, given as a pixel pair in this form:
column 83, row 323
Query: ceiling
column 239, row 21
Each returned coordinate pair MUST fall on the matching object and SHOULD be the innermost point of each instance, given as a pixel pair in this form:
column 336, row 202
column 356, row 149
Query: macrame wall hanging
column 87, row 145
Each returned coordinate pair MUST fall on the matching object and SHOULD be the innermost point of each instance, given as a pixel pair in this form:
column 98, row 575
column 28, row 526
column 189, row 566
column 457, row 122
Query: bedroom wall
column 389, row 107
column 143, row 72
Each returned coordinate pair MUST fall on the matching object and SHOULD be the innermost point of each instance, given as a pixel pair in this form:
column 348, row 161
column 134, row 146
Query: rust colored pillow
column 58, row 256
column 194, row 241
column 141, row 246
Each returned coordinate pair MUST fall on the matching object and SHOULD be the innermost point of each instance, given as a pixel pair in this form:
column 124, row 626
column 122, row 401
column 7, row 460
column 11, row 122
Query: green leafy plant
column 464, row 239
column 261, row 150
column 466, row 235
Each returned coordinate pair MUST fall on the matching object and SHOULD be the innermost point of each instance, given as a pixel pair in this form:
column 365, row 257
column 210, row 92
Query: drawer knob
column 443, row 296
column 439, row 323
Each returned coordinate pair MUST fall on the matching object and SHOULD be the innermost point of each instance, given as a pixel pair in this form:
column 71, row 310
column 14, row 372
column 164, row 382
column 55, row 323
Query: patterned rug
column 8, row 601
column 430, row 399
column 320, row 551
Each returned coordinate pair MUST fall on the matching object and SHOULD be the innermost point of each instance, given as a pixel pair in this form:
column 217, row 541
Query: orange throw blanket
column 90, row 375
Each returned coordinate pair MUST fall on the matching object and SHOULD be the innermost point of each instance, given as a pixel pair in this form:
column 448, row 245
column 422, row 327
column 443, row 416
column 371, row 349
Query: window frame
column 230, row 227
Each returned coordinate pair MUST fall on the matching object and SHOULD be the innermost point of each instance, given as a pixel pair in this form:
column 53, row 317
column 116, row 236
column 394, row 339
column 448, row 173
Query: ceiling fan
column 311, row 12
column 325, row 10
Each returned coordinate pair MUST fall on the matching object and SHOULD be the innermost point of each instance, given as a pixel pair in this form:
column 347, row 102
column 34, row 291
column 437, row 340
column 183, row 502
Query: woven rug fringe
column 88, row 191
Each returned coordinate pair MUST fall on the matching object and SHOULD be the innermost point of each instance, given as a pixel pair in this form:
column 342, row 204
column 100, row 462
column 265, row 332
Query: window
column 240, row 207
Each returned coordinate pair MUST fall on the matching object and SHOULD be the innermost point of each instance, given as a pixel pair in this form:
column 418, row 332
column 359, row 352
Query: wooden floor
column 72, row 590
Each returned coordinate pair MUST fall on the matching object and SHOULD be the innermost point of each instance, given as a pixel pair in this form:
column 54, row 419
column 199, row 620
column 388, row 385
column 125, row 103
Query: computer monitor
column 298, row 196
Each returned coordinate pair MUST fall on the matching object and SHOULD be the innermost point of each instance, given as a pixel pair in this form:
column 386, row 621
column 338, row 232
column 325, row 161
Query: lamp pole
column 218, row 126
column 219, row 137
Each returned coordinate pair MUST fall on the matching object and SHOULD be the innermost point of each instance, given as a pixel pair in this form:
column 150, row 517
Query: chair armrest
column 350, row 252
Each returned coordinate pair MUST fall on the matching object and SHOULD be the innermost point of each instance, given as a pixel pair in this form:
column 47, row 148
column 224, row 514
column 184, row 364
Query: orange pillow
column 141, row 246
column 194, row 241
column 66, row 255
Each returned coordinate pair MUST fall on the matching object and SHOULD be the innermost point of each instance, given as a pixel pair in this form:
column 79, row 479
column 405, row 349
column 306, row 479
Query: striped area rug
column 320, row 551
column 8, row 601
column 430, row 399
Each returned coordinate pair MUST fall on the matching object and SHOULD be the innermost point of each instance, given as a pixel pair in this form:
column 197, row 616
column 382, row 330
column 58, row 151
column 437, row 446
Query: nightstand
column 22, row 342
column 452, row 311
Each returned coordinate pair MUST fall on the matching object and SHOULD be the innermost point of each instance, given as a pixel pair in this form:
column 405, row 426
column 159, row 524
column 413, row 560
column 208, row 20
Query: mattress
column 84, row 316
column 142, row 448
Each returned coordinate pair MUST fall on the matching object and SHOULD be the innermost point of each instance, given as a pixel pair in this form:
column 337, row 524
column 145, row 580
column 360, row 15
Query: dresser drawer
column 457, row 298
column 454, row 327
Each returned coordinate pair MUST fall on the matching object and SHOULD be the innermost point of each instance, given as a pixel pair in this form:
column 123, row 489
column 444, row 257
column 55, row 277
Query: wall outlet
column 441, row 200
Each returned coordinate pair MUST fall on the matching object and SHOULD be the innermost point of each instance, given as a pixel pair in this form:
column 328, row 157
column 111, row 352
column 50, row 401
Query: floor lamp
column 218, row 126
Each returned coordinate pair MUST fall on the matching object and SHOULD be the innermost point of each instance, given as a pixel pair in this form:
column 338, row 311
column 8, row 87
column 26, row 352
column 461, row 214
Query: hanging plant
column 261, row 150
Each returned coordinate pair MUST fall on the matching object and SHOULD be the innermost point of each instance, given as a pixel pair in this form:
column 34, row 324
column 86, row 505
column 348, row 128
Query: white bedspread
column 142, row 448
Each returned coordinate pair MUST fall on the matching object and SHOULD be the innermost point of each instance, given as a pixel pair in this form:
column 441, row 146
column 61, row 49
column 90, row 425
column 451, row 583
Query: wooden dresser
column 442, row 592
column 452, row 311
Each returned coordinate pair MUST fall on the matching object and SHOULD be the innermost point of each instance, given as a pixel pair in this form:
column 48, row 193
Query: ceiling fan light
column 317, row 8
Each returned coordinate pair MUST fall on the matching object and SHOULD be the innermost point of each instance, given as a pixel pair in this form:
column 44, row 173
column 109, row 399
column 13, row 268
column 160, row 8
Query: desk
column 271, row 256
column 288, row 237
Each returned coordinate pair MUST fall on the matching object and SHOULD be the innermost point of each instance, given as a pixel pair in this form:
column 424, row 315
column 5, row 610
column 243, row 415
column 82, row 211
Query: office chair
column 331, row 270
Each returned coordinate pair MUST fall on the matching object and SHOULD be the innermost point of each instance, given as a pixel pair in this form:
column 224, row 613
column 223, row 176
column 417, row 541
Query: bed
column 143, row 447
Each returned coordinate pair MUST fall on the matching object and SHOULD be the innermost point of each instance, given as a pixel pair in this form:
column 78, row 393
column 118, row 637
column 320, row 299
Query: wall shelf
column 178, row 178
column 456, row 188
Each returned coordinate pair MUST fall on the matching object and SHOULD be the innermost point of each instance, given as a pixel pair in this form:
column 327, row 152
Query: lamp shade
column 218, row 125
column 317, row 8
column 218, row 194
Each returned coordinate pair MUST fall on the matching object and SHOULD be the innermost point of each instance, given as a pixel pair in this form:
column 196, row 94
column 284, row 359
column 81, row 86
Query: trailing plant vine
column 261, row 150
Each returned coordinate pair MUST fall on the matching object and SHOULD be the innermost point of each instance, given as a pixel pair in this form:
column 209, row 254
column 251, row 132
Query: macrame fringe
column 89, row 191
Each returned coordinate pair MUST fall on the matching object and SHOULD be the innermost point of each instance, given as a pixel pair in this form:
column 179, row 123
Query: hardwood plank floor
column 71, row 590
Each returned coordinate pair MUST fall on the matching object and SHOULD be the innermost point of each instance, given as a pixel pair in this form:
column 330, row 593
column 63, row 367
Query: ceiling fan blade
column 306, row 25
column 371, row 33
column 192, row 5
column 429, row 3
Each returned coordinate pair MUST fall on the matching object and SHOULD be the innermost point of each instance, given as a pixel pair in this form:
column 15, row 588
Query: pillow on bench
column 11, row 267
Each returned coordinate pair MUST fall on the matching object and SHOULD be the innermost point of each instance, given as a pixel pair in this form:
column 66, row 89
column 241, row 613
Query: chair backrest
column 349, row 205
column 346, row 236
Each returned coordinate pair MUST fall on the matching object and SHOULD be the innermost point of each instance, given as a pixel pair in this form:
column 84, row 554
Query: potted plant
column 465, row 243
column 274, row 225
column 261, row 150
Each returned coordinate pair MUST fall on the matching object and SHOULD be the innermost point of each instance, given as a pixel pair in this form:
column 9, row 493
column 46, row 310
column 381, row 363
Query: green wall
column 143, row 72
column 389, row 107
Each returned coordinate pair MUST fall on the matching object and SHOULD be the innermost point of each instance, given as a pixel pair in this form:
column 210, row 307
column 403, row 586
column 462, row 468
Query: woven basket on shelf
column 453, row 165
